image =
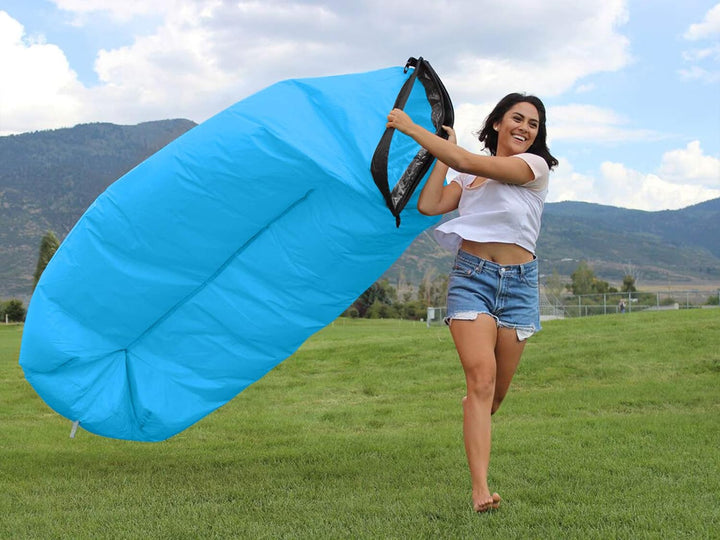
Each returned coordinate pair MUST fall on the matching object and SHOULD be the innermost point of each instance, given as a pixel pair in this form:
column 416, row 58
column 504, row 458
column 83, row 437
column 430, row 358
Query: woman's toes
column 491, row 503
column 483, row 506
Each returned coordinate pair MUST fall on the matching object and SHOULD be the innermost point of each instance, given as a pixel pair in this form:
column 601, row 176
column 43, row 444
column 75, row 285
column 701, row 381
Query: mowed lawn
column 611, row 430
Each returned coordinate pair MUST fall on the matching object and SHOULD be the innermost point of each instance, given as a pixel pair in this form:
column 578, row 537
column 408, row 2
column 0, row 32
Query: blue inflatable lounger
column 212, row 261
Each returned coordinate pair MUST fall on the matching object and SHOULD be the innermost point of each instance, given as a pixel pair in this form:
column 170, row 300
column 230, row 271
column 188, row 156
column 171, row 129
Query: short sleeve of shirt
column 539, row 168
column 463, row 179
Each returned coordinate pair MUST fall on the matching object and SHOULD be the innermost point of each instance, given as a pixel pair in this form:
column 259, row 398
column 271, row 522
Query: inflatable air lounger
column 212, row 261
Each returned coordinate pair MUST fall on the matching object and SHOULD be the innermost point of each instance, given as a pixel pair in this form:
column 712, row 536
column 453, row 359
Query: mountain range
column 49, row 178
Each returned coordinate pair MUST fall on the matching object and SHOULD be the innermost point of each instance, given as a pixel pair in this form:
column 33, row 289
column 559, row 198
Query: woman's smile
column 517, row 129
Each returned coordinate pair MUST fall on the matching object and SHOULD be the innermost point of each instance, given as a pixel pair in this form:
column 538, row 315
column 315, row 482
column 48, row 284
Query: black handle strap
column 442, row 113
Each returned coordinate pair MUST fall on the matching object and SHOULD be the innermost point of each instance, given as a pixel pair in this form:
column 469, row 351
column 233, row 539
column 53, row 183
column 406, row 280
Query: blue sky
column 632, row 86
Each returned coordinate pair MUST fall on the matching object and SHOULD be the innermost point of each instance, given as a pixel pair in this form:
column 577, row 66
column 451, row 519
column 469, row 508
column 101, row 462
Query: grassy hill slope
column 609, row 431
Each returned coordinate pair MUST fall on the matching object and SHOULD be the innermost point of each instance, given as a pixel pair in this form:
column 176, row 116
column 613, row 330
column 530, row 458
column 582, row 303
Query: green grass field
column 611, row 430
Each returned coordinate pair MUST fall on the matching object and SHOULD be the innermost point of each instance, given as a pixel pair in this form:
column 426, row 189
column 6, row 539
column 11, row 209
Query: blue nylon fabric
column 212, row 261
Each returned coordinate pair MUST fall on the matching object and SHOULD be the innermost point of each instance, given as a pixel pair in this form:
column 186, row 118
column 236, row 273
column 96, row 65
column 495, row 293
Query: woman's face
column 518, row 129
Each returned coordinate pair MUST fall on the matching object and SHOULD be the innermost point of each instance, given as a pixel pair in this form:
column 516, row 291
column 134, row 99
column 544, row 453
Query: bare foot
column 491, row 503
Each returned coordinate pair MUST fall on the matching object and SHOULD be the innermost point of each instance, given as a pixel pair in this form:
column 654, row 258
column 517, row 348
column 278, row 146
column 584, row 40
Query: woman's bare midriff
column 498, row 252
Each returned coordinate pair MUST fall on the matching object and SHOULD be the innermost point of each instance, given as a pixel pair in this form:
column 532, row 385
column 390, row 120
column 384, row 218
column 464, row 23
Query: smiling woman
column 493, row 303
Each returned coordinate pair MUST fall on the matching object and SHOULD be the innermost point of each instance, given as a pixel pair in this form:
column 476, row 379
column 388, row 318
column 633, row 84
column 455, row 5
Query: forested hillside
column 49, row 178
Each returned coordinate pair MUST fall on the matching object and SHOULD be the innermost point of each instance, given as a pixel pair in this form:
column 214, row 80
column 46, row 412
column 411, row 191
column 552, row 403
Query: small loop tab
column 75, row 425
column 412, row 62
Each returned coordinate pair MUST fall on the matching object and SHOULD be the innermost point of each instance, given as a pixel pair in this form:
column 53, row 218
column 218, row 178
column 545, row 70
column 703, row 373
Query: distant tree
column 48, row 247
column 634, row 272
column 599, row 286
column 438, row 290
column 424, row 292
column 432, row 290
column 380, row 310
column 628, row 284
column 412, row 310
column 380, row 291
column 554, row 285
column 582, row 279
column 14, row 310
column 373, row 310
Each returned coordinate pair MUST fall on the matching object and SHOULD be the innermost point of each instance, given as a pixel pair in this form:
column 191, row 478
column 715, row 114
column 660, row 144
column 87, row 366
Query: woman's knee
column 480, row 385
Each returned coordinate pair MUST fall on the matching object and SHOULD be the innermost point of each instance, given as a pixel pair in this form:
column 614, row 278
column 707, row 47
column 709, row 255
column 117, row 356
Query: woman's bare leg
column 475, row 342
column 508, row 350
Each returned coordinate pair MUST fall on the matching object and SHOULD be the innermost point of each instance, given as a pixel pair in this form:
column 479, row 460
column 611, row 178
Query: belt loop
column 480, row 265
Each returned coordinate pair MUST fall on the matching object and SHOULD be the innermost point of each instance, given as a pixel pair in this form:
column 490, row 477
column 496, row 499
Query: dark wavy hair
column 489, row 137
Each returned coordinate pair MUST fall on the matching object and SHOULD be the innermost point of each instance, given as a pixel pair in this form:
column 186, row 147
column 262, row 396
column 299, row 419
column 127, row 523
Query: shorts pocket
column 529, row 277
column 461, row 267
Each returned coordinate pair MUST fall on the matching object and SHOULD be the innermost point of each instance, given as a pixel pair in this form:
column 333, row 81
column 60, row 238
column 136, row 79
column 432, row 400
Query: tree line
column 383, row 301
column 584, row 281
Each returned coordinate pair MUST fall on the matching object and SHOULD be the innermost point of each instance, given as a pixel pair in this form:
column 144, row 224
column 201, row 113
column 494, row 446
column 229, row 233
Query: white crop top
column 498, row 212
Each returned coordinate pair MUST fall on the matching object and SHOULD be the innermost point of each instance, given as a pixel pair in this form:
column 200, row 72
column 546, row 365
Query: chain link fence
column 586, row 305
column 435, row 316
column 604, row 304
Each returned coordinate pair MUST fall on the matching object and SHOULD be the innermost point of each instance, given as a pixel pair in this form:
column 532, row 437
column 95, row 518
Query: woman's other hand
column 451, row 134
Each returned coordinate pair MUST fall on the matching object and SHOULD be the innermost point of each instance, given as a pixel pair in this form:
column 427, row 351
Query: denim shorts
column 508, row 293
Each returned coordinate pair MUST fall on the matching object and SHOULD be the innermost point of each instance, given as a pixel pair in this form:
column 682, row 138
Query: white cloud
column 583, row 88
column 122, row 10
column 632, row 189
column 206, row 54
column 709, row 27
column 469, row 119
column 696, row 73
column 690, row 165
column 168, row 74
column 697, row 55
column 536, row 47
column 591, row 124
column 709, row 56
column 37, row 82
column 685, row 177
column 568, row 185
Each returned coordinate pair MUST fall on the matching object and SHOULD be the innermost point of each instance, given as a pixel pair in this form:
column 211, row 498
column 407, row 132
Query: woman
column 493, row 302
